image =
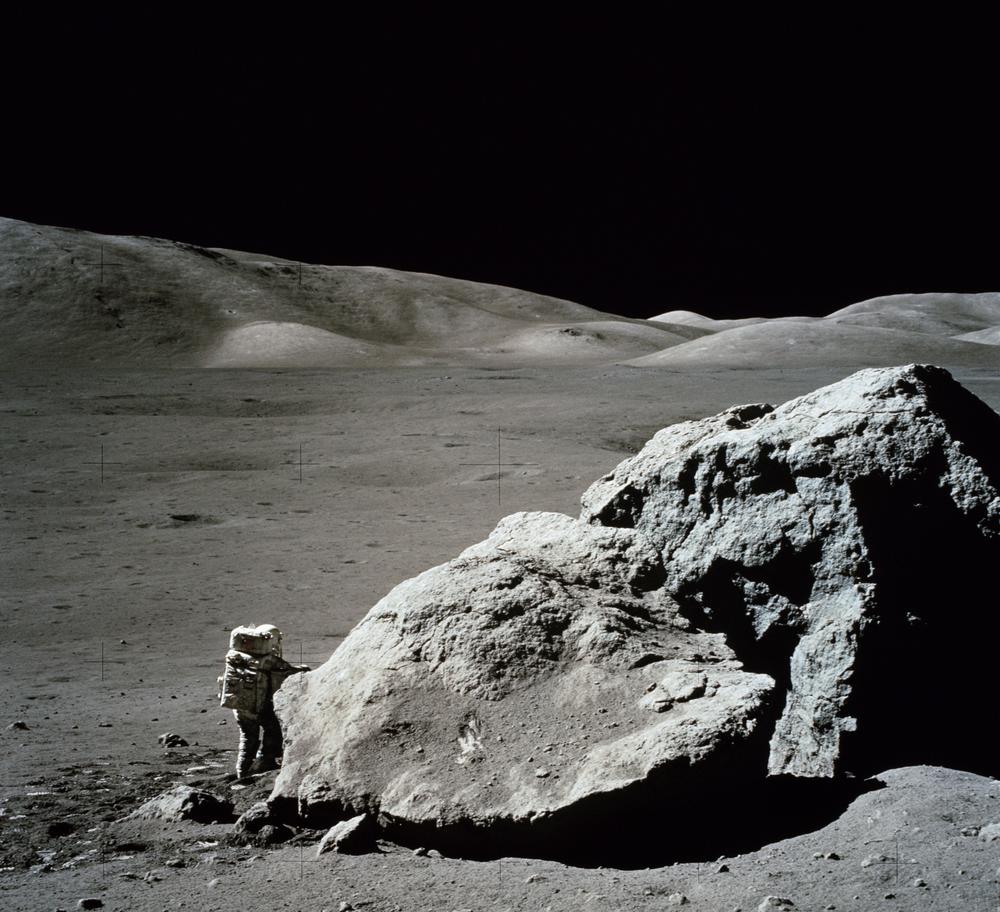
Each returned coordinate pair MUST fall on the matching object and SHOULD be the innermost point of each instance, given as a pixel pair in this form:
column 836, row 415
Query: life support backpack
column 244, row 683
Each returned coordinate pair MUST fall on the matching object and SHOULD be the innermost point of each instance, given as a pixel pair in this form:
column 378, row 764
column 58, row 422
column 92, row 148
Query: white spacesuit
column 254, row 671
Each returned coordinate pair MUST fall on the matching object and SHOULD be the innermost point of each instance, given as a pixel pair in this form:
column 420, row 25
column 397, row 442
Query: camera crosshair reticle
column 102, row 462
column 499, row 464
column 101, row 263
column 895, row 861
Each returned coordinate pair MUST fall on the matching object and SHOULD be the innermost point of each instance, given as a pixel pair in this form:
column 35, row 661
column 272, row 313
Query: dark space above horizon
column 632, row 170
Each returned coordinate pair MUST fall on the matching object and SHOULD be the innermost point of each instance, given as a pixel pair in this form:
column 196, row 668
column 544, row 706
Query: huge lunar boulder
column 542, row 671
column 846, row 542
column 799, row 591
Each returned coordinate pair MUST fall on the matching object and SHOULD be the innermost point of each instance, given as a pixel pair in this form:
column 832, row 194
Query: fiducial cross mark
column 101, row 264
column 499, row 464
column 895, row 861
column 102, row 463
column 301, row 861
column 302, row 463
column 102, row 661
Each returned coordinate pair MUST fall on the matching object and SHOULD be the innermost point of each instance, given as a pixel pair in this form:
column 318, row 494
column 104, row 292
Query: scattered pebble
column 19, row 725
column 541, row 774
column 990, row 832
column 677, row 899
column 90, row 903
column 775, row 902
column 420, row 850
column 169, row 739
column 722, row 869
column 920, row 882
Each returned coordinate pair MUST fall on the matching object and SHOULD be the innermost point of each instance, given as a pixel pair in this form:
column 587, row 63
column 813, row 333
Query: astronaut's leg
column 272, row 746
column 249, row 741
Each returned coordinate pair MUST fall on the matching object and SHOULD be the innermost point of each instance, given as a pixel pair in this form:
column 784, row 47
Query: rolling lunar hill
column 80, row 298
column 961, row 330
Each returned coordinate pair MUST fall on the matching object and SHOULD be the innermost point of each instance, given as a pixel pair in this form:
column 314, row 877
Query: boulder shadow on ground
column 654, row 824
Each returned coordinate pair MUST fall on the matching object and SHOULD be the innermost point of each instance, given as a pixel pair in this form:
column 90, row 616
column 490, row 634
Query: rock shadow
column 654, row 823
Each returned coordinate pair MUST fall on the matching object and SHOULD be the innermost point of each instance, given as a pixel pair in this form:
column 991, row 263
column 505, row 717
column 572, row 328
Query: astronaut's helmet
column 273, row 636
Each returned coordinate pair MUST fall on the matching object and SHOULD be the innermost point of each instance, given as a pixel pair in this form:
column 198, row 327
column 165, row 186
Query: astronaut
column 254, row 670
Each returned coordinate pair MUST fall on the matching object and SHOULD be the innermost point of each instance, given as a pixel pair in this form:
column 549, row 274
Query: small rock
column 185, row 803
column 677, row 899
column 420, row 850
column 970, row 831
column 990, row 832
column 21, row 725
column 169, row 739
column 775, row 902
column 345, row 906
column 541, row 774
column 253, row 819
column 213, row 883
column 271, row 834
column 890, row 896
column 174, row 862
column 722, row 869
column 350, row 837
column 90, row 903
column 152, row 877
column 919, row 882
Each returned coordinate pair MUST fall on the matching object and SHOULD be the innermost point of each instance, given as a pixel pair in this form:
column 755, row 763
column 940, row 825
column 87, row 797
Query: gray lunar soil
column 150, row 505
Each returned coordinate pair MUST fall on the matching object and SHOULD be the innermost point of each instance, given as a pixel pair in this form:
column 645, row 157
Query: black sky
column 635, row 166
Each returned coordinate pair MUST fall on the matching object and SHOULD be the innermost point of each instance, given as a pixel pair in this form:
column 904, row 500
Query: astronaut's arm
column 286, row 668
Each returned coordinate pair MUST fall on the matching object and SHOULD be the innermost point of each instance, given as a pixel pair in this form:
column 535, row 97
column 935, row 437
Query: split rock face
column 745, row 596
column 846, row 542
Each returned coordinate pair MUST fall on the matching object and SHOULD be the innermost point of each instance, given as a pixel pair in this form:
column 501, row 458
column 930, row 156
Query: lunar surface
column 199, row 439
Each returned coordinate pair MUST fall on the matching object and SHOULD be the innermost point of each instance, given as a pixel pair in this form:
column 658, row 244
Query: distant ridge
column 80, row 298
column 75, row 298
column 951, row 329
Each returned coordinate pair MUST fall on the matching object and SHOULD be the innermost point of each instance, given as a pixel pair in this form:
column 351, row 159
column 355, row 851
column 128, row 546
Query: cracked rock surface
column 852, row 525
column 537, row 671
